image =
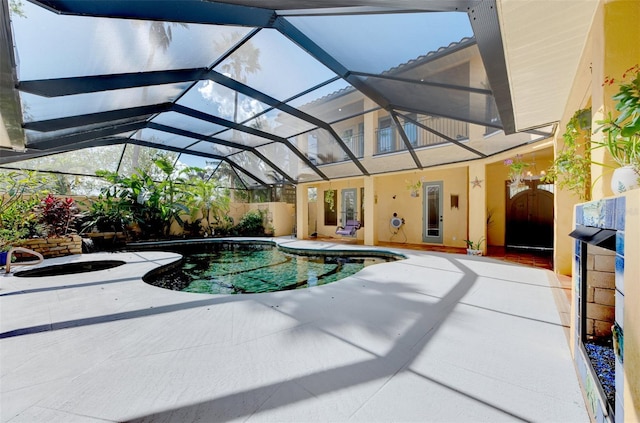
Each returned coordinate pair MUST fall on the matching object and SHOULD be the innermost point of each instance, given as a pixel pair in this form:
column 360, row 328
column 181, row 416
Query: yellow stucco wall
column 330, row 230
column 411, row 208
column 612, row 47
column 279, row 215
column 390, row 195
column 621, row 36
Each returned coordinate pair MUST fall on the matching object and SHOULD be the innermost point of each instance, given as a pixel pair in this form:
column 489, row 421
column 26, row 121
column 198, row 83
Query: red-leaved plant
column 57, row 214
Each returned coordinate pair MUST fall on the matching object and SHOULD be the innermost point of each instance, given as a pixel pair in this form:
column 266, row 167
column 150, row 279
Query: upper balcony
column 389, row 140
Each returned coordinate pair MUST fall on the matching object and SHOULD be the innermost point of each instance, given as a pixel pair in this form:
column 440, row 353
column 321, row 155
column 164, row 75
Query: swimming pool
column 226, row 267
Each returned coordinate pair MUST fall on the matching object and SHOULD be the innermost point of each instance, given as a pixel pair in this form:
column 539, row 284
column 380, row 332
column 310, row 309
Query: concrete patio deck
column 436, row 337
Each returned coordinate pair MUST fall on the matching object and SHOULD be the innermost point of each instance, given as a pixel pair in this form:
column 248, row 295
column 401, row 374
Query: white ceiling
column 543, row 42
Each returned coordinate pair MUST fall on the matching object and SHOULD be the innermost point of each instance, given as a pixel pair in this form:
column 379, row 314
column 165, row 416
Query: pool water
column 240, row 269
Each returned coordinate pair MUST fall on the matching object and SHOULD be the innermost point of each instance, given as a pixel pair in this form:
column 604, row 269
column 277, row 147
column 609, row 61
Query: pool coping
column 305, row 249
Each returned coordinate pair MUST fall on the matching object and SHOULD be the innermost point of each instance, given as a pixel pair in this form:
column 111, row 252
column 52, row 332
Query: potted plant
column 516, row 170
column 621, row 135
column 414, row 188
column 474, row 248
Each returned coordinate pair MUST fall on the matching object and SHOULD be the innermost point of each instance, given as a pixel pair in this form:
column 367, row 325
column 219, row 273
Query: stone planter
column 107, row 241
column 471, row 252
column 54, row 246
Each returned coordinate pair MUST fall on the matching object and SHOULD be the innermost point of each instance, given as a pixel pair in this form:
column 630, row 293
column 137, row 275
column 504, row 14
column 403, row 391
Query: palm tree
column 242, row 62
column 160, row 37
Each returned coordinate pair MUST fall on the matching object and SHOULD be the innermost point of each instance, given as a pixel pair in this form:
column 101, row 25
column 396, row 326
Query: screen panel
column 370, row 43
column 272, row 64
column 125, row 45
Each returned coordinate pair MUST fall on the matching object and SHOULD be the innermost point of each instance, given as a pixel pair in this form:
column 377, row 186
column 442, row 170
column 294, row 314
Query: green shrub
column 251, row 224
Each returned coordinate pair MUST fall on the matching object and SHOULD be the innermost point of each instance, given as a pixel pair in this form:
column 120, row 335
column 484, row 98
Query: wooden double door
column 529, row 216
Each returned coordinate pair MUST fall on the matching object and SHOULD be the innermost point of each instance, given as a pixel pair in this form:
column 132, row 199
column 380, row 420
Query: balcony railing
column 389, row 140
column 355, row 143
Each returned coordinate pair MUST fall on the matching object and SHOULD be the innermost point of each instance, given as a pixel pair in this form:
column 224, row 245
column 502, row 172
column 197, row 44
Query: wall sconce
column 454, row 201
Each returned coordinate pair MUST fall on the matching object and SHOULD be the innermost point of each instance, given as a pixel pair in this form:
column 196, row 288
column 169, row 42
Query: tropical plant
column 621, row 135
column 154, row 205
column 571, row 168
column 251, row 224
column 475, row 245
column 107, row 214
column 21, row 193
column 15, row 185
column 57, row 215
column 19, row 222
column 205, row 199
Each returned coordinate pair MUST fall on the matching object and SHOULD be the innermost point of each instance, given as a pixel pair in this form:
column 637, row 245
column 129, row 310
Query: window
column 347, row 137
column 312, row 194
column 312, row 147
column 411, row 130
column 385, row 136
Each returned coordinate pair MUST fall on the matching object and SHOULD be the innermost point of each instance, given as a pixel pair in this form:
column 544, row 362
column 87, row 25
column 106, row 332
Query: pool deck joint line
column 433, row 337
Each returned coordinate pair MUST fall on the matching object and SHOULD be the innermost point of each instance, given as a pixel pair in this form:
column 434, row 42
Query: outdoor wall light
column 454, row 201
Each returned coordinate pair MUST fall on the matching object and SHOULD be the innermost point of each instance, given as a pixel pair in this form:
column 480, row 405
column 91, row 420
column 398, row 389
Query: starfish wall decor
column 476, row 183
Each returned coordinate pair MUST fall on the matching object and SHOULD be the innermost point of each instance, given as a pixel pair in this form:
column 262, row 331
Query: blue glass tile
column 621, row 204
column 619, row 308
column 620, row 273
column 579, row 215
column 609, row 213
column 618, row 344
column 620, row 243
column 576, row 247
column 593, row 213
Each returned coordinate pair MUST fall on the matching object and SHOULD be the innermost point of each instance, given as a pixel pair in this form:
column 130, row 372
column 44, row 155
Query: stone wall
column 601, row 292
column 53, row 247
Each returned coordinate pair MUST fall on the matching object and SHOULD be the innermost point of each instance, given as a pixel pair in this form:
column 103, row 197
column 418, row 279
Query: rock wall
column 53, row 247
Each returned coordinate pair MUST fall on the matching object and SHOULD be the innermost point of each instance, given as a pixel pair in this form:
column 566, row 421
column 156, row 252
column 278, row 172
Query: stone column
column 302, row 211
column 370, row 200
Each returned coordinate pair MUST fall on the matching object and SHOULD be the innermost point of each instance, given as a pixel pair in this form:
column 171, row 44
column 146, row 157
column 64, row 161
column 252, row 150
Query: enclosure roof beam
column 486, row 29
column 200, row 154
column 405, row 139
column 10, row 156
column 191, row 11
column 95, row 118
column 214, row 140
column 244, row 89
column 233, row 125
column 56, row 87
column 92, row 135
column 443, row 136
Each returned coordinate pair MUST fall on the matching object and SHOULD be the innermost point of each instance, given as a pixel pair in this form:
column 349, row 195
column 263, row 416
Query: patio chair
column 349, row 229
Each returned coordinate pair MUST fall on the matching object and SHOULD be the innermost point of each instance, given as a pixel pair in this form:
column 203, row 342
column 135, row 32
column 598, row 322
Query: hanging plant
column 414, row 188
column 572, row 167
column 516, row 169
column 329, row 198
